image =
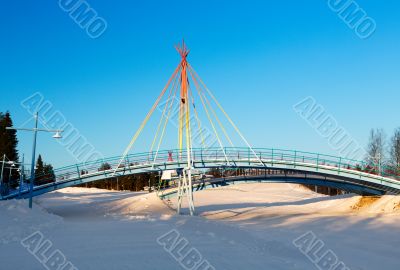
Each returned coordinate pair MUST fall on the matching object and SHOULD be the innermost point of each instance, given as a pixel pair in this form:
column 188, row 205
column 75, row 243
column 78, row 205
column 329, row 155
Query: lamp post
column 21, row 176
column 12, row 167
column 1, row 175
column 4, row 162
column 35, row 130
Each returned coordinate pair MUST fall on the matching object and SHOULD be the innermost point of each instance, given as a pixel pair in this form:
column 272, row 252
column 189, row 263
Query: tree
column 214, row 172
column 105, row 167
column 8, row 144
column 49, row 173
column 44, row 173
column 394, row 150
column 39, row 171
column 376, row 148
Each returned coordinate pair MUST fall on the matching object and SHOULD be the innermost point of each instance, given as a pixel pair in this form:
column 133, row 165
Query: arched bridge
column 271, row 165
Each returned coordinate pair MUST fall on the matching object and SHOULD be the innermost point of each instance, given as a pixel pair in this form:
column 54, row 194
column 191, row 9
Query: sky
column 259, row 58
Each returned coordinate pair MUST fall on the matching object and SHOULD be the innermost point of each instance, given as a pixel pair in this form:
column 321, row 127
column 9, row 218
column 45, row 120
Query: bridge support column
column 185, row 189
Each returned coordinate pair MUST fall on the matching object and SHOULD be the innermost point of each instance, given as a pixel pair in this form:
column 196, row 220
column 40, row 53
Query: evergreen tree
column 49, row 173
column 44, row 173
column 8, row 144
column 39, row 171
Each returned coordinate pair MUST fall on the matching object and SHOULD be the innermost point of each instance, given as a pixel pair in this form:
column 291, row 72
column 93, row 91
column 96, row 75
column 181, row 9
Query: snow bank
column 18, row 221
column 387, row 204
column 247, row 226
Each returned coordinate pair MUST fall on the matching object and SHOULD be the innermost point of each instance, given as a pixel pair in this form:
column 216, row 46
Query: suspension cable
column 163, row 114
column 171, row 105
column 149, row 114
column 218, row 121
column 226, row 115
column 208, row 115
column 197, row 119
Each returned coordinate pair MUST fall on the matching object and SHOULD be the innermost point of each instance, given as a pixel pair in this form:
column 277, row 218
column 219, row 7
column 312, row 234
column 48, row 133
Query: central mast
column 179, row 83
column 183, row 108
column 185, row 176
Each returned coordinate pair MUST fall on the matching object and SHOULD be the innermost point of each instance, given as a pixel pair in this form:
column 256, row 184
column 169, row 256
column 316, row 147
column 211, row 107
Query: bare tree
column 376, row 149
column 394, row 149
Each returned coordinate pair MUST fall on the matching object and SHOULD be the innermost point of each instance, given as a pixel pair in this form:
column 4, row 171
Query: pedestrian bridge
column 268, row 165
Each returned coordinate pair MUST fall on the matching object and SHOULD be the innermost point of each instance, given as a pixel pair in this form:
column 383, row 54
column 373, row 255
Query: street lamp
column 4, row 162
column 35, row 130
column 57, row 135
column 1, row 174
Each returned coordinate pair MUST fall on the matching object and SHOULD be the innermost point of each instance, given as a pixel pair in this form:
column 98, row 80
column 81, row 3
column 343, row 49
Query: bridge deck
column 325, row 170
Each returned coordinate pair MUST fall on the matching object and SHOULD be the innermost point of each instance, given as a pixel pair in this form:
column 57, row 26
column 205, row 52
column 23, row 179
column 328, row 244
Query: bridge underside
column 288, row 177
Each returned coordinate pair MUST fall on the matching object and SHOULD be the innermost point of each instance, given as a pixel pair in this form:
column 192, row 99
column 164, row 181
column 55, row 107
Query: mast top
column 183, row 50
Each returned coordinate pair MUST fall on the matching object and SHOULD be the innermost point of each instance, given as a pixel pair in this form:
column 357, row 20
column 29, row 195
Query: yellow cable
column 197, row 119
column 163, row 114
column 226, row 115
column 166, row 121
column 146, row 119
column 208, row 115
column 218, row 121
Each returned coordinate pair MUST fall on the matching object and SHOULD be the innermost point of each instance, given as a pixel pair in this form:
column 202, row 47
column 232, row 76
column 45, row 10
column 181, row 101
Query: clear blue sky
column 258, row 57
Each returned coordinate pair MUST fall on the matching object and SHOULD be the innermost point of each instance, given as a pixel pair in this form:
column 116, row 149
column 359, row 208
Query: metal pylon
column 185, row 187
column 185, row 190
column 179, row 88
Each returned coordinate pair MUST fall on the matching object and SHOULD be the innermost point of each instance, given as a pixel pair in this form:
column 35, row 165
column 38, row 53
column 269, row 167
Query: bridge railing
column 228, row 156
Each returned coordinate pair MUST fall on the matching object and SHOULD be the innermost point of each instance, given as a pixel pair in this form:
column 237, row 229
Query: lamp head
column 57, row 135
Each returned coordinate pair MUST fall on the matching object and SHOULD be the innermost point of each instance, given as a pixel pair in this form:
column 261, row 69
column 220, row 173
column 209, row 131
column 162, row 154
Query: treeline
column 136, row 182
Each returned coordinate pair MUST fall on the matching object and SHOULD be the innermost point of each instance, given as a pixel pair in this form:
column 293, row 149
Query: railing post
column 295, row 156
column 317, row 162
column 272, row 158
column 79, row 173
column 105, row 174
column 129, row 165
column 248, row 155
column 340, row 164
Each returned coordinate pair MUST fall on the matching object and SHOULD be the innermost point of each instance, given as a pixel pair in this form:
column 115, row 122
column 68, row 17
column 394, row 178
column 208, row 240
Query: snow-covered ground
column 249, row 226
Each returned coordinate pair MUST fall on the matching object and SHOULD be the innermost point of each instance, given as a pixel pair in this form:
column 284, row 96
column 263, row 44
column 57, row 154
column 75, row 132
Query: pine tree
column 49, row 175
column 8, row 144
column 39, row 171
column 44, row 173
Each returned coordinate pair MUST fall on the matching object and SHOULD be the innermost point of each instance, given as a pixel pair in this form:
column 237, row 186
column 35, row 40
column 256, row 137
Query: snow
column 247, row 226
